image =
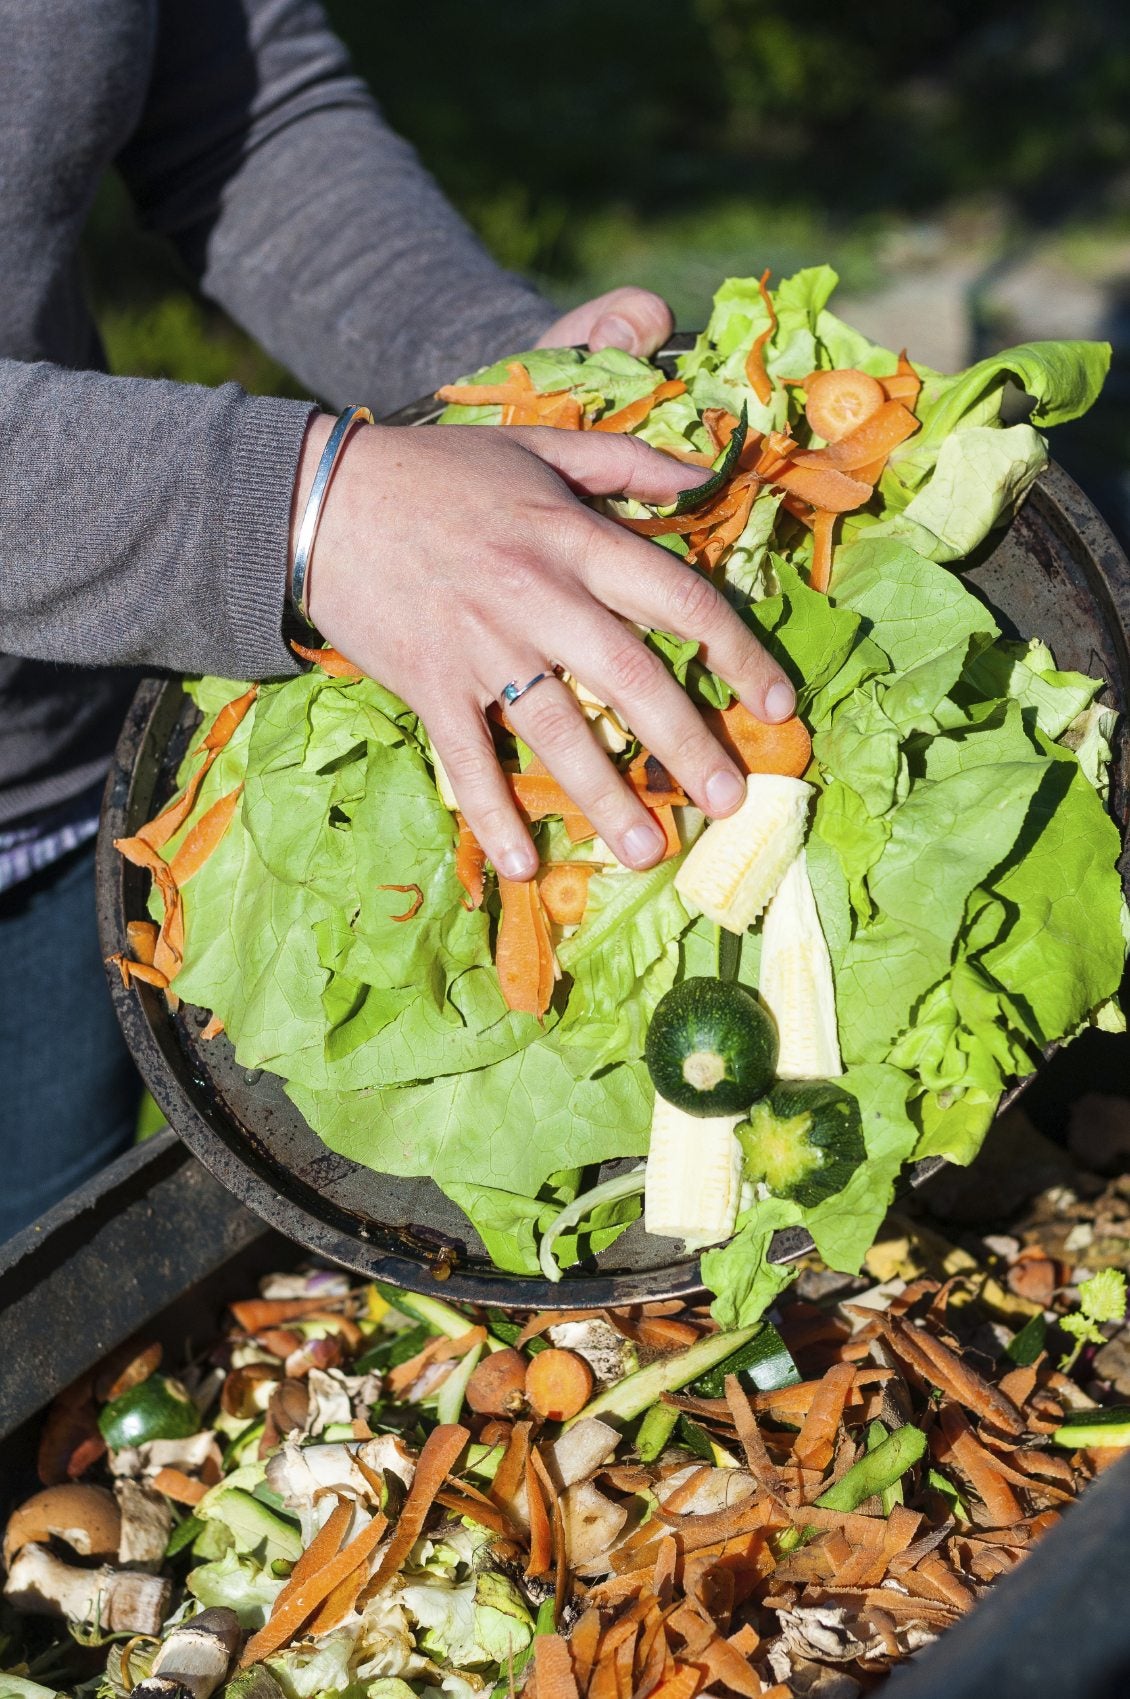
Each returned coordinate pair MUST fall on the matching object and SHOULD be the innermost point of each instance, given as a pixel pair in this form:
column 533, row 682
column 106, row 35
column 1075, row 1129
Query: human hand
column 633, row 319
column 449, row 562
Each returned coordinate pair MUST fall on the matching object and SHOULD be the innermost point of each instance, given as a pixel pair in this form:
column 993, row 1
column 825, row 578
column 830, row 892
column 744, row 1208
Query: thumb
column 636, row 320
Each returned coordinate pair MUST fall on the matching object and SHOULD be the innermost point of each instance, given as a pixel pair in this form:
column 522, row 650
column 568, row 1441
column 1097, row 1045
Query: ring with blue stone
column 514, row 692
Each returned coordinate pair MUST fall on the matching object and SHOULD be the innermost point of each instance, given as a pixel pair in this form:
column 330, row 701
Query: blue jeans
column 69, row 1092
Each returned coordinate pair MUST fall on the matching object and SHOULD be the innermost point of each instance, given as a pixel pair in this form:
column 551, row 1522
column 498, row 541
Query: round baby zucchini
column 711, row 1047
column 803, row 1141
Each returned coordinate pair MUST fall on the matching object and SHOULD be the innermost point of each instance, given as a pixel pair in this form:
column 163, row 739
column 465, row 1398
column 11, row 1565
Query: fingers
column 631, row 318
column 594, row 464
column 656, row 589
column 465, row 747
column 619, row 668
column 549, row 720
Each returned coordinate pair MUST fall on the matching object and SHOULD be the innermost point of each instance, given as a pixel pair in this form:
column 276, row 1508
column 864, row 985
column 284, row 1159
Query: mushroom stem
column 195, row 1658
column 122, row 1600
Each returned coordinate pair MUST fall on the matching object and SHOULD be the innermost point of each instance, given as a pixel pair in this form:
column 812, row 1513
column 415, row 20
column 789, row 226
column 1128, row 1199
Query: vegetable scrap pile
column 367, row 1494
column 920, row 892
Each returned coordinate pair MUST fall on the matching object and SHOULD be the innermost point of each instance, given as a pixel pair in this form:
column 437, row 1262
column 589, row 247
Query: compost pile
column 356, row 1493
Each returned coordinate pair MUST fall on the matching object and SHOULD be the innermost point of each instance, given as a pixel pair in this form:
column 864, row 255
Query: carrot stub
column 558, row 1384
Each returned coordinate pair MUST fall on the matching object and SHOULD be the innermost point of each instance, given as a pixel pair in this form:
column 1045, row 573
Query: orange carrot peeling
column 293, row 1607
column 523, row 953
column 204, row 837
column 627, row 418
column 470, row 864
column 329, row 660
column 756, row 375
column 441, row 1452
column 760, row 747
column 414, row 906
column 823, row 528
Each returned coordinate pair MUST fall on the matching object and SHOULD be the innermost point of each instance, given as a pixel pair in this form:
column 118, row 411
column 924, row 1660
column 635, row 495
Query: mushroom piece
column 195, row 1658
column 124, row 1601
column 83, row 1517
column 146, row 1524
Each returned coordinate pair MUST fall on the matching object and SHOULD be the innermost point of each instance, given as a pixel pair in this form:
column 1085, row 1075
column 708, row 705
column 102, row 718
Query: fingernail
column 780, row 701
column 724, row 791
column 643, row 843
column 517, row 864
column 613, row 332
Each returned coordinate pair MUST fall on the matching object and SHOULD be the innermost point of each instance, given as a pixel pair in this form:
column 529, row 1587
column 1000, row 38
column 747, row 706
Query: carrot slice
column 178, row 1486
column 558, row 1384
column 756, row 376
column 329, row 660
column 203, row 838
column 414, row 906
column 285, row 1623
column 872, row 440
column 757, row 746
column 470, row 865
column 840, row 400
column 823, row 527
column 523, row 955
column 436, row 1461
column 627, row 418
column 564, row 890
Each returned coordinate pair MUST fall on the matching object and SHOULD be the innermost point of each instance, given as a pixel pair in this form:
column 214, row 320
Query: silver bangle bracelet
column 312, row 512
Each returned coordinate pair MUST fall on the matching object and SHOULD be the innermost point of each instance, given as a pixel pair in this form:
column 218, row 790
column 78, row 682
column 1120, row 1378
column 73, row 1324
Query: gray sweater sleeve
column 144, row 522
column 266, row 160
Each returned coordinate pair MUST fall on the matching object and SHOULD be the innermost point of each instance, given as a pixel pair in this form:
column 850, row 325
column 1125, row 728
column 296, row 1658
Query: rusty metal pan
column 1057, row 572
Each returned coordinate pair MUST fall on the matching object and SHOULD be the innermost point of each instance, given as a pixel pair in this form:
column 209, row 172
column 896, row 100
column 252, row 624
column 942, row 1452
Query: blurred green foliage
column 668, row 142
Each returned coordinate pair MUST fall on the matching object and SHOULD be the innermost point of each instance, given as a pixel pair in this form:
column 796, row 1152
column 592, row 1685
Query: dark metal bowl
column 1057, row 572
